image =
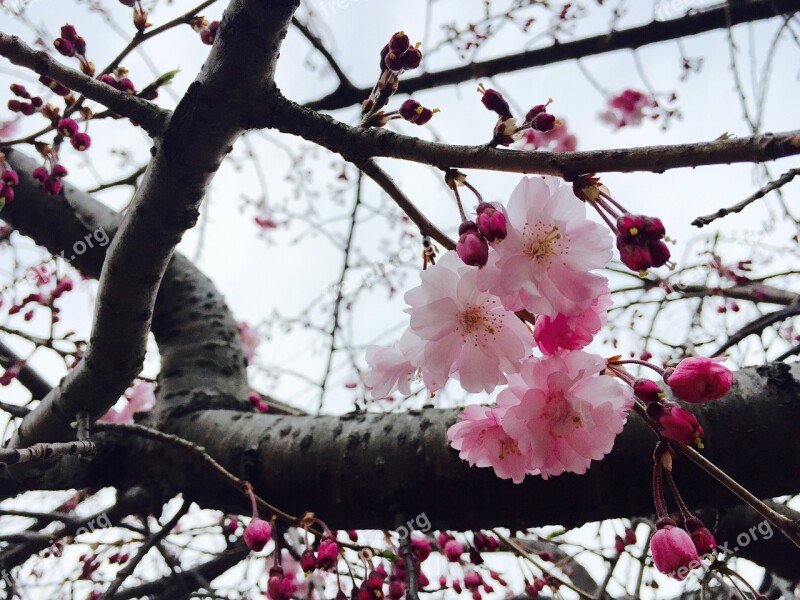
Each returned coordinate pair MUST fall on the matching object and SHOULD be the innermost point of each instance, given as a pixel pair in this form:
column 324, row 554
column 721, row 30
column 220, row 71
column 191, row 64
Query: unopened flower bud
column 647, row 391
column 257, row 533
column 64, row 47
column 702, row 538
column 412, row 58
column 543, row 122
column 67, row 127
column 399, row 42
column 494, row 101
column 491, row 223
column 81, row 141
column 472, row 248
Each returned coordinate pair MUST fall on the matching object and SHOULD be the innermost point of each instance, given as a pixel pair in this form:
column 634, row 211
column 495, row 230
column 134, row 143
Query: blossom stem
column 472, row 189
column 658, row 489
column 461, row 212
column 685, row 512
column 608, row 221
column 643, row 363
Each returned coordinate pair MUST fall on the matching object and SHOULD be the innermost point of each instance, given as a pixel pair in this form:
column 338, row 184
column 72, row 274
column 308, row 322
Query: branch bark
column 200, row 133
column 358, row 144
column 719, row 17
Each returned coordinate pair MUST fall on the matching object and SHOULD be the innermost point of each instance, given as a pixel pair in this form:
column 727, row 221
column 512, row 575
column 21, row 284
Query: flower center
column 543, row 241
column 509, row 447
column 478, row 324
column 559, row 413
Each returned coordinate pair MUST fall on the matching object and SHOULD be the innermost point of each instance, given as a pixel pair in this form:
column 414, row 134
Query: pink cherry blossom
column 558, row 139
column 544, row 265
column 627, row 108
column 481, row 441
column 141, row 398
column 462, row 332
column 389, row 370
column 563, row 413
column 572, row 333
column 673, row 551
column 250, row 340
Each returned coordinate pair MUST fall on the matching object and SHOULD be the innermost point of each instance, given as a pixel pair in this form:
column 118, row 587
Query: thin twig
column 770, row 187
column 9, row 456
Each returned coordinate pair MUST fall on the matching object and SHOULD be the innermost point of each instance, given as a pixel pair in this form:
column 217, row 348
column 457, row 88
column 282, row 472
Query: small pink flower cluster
column 399, row 55
column 250, row 340
column 71, row 44
column 69, row 129
column 506, row 130
column 627, row 108
column 25, row 108
column 463, row 326
column 50, row 180
column 207, row 30
column 8, row 179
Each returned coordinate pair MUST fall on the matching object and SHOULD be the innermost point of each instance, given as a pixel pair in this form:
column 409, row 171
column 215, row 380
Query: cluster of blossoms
column 506, row 131
column 68, row 128
column 640, row 239
column 629, row 107
column 205, row 29
column 70, row 44
column 8, row 179
column 396, row 57
column 537, row 256
column 50, row 180
column 25, row 108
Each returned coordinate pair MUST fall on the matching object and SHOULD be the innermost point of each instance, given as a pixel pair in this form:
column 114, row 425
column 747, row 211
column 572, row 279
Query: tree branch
column 700, row 21
column 152, row 118
column 200, row 133
column 358, row 144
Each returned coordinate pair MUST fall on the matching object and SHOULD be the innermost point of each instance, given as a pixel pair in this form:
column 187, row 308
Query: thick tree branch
column 152, row 118
column 200, row 133
column 358, row 144
column 701, row 21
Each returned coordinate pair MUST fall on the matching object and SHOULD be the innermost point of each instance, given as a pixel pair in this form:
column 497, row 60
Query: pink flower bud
column 19, row 90
column 472, row 580
column 394, row 61
column 543, row 122
column 472, row 248
column 81, row 141
column 634, row 256
column 126, row 85
column 327, row 554
column 129, row 3
column 421, row 548
column 673, row 551
column 52, row 185
column 453, row 551
column 9, row 177
column 257, row 533
column 40, row 174
column 412, row 58
column 647, row 390
column 64, row 47
column 659, row 253
column 676, row 423
column 494, row 101
column 491, row 223
column 108, row 80
column 399, row 42
column 59, row 171
column 308, row 562
column 698, row 379
column 67, row 127
column 6, row 193
column 397, row 589
column 702, row 538
column 279, row 587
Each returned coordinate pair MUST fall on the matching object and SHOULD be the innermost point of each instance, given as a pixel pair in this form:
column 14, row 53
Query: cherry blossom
column 250, row 340
column 141, row 398
column 389, row 370
column 557, row 139
column 563, row 413
column 627, row 108
column 462, row 332
column 480, row 439
column 544, row 265
column 572, row 333
column 673, row 550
